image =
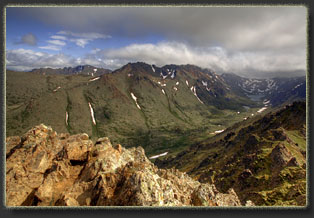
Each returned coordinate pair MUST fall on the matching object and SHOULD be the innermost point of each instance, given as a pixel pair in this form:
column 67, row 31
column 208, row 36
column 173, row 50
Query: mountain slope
column 161, row 109
column 264, row 160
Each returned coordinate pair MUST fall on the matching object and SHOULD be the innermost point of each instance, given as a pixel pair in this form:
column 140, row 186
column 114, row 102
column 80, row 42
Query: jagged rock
column 49, row 169
column 281, row 156
column 11, row 143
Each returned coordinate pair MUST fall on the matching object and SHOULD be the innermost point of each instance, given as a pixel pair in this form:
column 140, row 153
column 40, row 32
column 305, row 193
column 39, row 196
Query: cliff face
column 44, row 168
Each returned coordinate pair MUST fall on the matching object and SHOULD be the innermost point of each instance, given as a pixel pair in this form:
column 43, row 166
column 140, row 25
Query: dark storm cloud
column 233, row 39
column 232, row 27
column 29, row 39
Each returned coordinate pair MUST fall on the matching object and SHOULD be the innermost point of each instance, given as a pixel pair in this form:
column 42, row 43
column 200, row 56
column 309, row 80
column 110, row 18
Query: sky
column 249, row 41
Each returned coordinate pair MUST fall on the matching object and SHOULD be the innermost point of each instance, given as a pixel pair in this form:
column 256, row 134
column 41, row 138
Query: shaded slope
column 264, row 161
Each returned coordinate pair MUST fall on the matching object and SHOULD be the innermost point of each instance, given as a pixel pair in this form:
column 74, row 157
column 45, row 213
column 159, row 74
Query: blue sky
column 49, row 39
column 254, row 41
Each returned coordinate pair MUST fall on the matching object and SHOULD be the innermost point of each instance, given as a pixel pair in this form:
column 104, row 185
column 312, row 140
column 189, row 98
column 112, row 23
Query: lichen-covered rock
column 47, row 169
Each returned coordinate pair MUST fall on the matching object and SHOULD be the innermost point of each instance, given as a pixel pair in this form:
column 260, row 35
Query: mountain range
column 274, row 91
column 81, row 69
column 237, row 133
column 161, row 109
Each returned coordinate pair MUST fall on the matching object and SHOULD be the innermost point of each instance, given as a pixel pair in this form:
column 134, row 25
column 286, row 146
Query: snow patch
column 135, row 99
column 57, row 89
column 66, row 118
column 92, row 113
column 266, row 101
column 163, row 91
column 159, row 155
column 218, row 131
column 297, row 86
column 162, row 75
column 177, row 83
column 261, row 110
column 187, row 83
column 153, row 68
column 193, row 89
column 94, row 79
column 164, row 84
column 172, row 75
column 204, row 83
column 175, row 88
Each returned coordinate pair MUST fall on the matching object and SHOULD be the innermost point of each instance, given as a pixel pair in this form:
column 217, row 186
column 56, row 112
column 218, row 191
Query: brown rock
column 78, row 146
column 47, row 169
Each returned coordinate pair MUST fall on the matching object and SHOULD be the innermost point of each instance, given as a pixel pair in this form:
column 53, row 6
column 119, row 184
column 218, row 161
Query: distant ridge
column 80, row 69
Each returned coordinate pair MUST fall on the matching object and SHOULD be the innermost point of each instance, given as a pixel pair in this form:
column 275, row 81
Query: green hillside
column 175, row 111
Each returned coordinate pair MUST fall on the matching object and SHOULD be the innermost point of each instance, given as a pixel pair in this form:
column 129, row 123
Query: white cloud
column 23, row 59
column 89, row 35
column 56, row 42
column 80, row 42
column 50, row 47
column 82, row 39
column 94, row 51
column 216, row 58
column 58, row 37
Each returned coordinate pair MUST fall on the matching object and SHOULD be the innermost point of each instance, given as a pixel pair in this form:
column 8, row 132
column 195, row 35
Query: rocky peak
column 44, row 168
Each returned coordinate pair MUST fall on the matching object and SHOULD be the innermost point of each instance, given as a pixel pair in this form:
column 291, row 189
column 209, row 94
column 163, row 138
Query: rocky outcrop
column 282, row 157
column 44, row 168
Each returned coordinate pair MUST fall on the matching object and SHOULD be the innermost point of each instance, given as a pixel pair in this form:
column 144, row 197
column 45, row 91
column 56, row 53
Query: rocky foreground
column 44, row 168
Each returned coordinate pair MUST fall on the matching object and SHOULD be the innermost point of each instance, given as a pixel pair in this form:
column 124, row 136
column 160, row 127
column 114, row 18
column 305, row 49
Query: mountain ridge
column 136, row 104
column 80, row 69
column 263, row 160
